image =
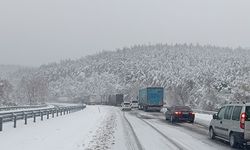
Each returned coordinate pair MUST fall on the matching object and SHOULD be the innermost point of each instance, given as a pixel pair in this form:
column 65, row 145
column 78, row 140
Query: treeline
column 201, row 76
column 29, row 91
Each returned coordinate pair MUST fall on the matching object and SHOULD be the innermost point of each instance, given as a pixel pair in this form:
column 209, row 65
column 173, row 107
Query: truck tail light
column 242, row 120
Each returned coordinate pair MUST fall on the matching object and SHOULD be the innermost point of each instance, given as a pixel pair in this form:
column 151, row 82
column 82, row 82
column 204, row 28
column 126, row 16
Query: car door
column 218, row 128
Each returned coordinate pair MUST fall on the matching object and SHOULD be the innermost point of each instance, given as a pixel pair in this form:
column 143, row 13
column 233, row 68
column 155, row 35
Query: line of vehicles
column 231, row 123
column 151, row 98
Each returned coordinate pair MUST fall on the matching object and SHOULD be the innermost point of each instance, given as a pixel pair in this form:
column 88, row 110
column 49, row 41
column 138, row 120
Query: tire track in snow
column 134, row 134
column 180, row 147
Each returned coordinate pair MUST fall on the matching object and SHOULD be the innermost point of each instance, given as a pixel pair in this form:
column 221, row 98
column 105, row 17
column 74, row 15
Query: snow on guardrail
column 24, row 115
column 6, row 108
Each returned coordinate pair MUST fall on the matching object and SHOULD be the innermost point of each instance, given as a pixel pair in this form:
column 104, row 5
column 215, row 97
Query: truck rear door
column 155, row 96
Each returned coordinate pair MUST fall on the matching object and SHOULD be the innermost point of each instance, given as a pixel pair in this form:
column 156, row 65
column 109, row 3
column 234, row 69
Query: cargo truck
column 151, row 98
column 115, row 100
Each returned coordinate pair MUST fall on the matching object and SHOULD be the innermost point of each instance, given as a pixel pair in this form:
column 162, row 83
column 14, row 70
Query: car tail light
column 178, row 113
column 191, row 113
column 242, row 120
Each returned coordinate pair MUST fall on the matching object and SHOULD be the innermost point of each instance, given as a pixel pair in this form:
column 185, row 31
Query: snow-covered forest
column 201, row 76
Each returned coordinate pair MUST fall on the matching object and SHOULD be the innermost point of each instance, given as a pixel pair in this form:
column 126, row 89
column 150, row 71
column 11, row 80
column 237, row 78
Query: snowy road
column 104, row 128
column 182, row 136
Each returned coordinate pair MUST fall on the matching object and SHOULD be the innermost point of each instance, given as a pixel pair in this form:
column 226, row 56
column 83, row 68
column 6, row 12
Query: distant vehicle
column 119, row 99
column 115, row 100
column 151, row 98
column 179, row 113
column 232, row 123
column 134, row 104
column 164, row 109
column 126, row 106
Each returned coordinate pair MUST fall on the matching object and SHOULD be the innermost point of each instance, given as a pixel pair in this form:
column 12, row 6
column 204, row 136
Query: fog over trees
column 201, row 76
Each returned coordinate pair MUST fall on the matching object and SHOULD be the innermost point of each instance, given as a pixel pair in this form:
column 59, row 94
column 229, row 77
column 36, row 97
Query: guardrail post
column 34, row 117
column 64, row 111
column 23, row 115
column 69, row 110
column 25, row 119
column 57, row 112
column 61, row 112
column 41, row 114
column 12, row 116
column 1, row 123
column 47, row 114
column 15, row 121
column 53, row 113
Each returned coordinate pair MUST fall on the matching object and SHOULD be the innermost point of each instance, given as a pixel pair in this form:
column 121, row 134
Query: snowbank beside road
column 69, row 132
column 203, row 119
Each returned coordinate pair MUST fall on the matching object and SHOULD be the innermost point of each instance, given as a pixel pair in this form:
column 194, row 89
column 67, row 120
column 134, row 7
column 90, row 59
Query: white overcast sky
column 34, row 32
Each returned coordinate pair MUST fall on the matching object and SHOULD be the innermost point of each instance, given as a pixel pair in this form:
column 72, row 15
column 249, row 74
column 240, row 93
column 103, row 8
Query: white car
column 164, row 109
column 232, row 123
column 134, row 104
column 126, row 106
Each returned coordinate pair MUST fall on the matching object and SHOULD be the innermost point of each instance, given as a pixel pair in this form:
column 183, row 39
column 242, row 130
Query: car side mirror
column 215, row 116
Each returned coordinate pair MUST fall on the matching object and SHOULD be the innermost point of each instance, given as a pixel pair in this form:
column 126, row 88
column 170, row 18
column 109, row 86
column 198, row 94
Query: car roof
column 237, row 104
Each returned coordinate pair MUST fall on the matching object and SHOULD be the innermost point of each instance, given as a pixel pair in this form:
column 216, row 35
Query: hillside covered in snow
column 200, row 76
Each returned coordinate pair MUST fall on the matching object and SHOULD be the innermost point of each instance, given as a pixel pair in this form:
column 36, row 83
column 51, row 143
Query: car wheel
column 166, row 118
column 211, row 133
column 232, row 140
column 171, row 119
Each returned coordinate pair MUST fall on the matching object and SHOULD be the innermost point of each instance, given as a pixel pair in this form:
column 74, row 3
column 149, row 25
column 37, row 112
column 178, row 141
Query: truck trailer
column 151, row 98
column 115, row 100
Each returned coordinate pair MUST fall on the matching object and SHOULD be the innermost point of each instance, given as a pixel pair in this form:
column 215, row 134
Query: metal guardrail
column 24, row 115
column 21, row 107
column 204, row 111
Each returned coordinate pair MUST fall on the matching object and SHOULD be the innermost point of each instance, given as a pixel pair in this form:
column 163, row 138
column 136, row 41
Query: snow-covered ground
column 106, row 128
column 69, row 132
column 203, row 119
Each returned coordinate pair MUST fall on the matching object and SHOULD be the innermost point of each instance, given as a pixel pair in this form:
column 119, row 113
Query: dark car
column 179, row 114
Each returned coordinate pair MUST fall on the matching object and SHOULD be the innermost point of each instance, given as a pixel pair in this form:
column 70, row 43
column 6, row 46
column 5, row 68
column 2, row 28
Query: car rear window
column 182, row 108
column 236, row 113
column 134, row 101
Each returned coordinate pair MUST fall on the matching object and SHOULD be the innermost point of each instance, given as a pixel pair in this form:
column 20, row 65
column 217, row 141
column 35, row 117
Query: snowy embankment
column 73, row 131
column 203, row 119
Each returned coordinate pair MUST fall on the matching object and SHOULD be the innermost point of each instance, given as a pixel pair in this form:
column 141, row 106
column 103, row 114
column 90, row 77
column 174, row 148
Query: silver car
column 232, row 124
